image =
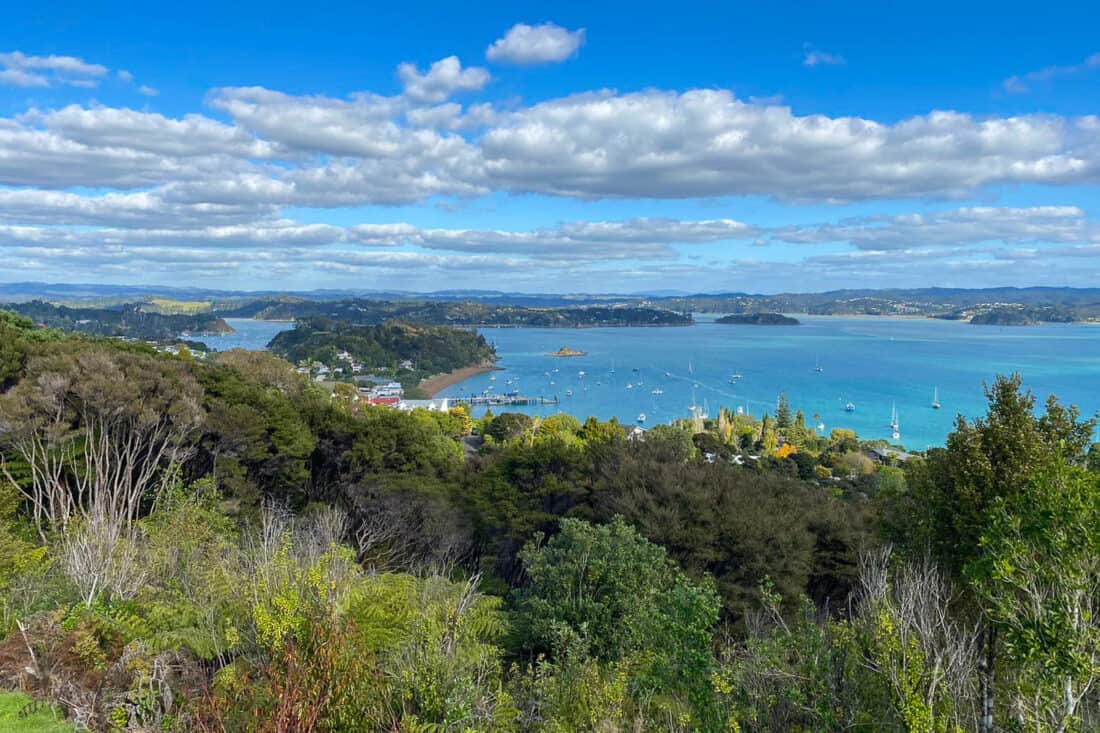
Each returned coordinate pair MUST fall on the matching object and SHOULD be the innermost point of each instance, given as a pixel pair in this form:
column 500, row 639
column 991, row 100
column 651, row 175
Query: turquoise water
column 250, row 334
column 872, row 362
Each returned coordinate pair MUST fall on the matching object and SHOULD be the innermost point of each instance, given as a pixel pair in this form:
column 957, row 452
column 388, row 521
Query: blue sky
column 522, row 146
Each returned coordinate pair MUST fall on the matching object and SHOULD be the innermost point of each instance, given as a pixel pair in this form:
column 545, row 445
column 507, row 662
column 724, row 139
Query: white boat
column 894, row 417
column 936, row 398
column 641, row 417
column 492, row 379
column 629, row 386
column 668, row 374
column 850, row 407
column 580, row 374
column 568, row 393
column 657, row 392
column 817, row 365
column 735, row 378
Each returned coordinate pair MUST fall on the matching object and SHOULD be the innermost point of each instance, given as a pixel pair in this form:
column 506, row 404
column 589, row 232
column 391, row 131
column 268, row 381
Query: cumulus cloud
column 23, row 70
column 1023, row 83
column 657, row 144
column 219, row 182
column 535, row 44
column 192, row 135
column 142, row 209
column 443, row 79
column 148, row 91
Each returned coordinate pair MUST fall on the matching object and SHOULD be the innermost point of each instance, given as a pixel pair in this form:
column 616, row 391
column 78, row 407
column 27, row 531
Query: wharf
column 489, row 400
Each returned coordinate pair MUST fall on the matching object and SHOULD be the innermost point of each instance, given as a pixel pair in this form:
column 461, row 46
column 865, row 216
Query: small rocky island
column 759, row 319
column 566, row 351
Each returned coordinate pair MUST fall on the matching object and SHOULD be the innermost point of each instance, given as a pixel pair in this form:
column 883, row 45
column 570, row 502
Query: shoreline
column 434, row 385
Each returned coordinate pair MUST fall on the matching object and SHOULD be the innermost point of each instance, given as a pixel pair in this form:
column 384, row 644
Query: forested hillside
column 227, row 547
column 129, row 321
column 430, row 349
column 460, row 313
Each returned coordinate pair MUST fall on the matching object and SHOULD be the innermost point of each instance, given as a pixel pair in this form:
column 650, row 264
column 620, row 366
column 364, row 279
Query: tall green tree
column 987, row 463
column 622, row 598
column 1038, row 580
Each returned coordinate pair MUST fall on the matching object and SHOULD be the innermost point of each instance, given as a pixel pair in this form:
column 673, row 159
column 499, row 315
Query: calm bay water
column 250, row 334
column 872, row 362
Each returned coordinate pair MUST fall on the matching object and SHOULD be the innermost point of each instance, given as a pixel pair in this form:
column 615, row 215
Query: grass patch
column 43, row 719
column 169, row 306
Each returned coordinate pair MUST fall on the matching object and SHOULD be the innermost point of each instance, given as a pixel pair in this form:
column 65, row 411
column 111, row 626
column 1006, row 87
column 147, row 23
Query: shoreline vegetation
column 432, row 386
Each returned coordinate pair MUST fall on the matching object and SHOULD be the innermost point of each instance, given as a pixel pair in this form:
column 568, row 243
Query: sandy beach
column 435, row 385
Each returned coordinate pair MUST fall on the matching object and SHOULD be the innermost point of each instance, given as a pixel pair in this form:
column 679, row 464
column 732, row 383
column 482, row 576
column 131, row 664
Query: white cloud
column 116, row 128
column 20, row 78
column 194, row 184
column 443, row 79
column 1022, row 84
column 540, row 44
column 321, row 151
column 971, row 225
column 658, row 144
column 813, row 58
column 142, row 209
column 124, row 76
column 150, row 220
column 22, row 70
column 148, row 91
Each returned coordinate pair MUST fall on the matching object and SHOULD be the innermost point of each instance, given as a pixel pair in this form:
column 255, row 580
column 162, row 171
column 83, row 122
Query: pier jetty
column 501, row 400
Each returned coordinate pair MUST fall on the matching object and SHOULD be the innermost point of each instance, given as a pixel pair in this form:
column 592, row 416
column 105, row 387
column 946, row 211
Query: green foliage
column 1036, row 578
column 20, row 714
column 783, row 419
column 986, row 461
column 129, row 320
column 609, row 592
column 432, row 349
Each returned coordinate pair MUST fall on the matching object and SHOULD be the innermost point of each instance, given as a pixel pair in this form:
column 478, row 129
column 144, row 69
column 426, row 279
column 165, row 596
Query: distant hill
column 1078, row 304
column 129, row 321
column 459, row 313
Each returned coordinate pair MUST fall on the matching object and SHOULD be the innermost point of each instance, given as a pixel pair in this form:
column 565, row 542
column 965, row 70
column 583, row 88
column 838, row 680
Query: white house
column 439, row 405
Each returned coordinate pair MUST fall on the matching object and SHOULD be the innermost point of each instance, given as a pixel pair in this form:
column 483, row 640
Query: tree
column 783, row 417
column 1038, row 580
column 621, row 597
column 96, row 428
column 987, row 463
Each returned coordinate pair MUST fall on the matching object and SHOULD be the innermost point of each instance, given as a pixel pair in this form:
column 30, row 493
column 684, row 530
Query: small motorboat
column 641, row 417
